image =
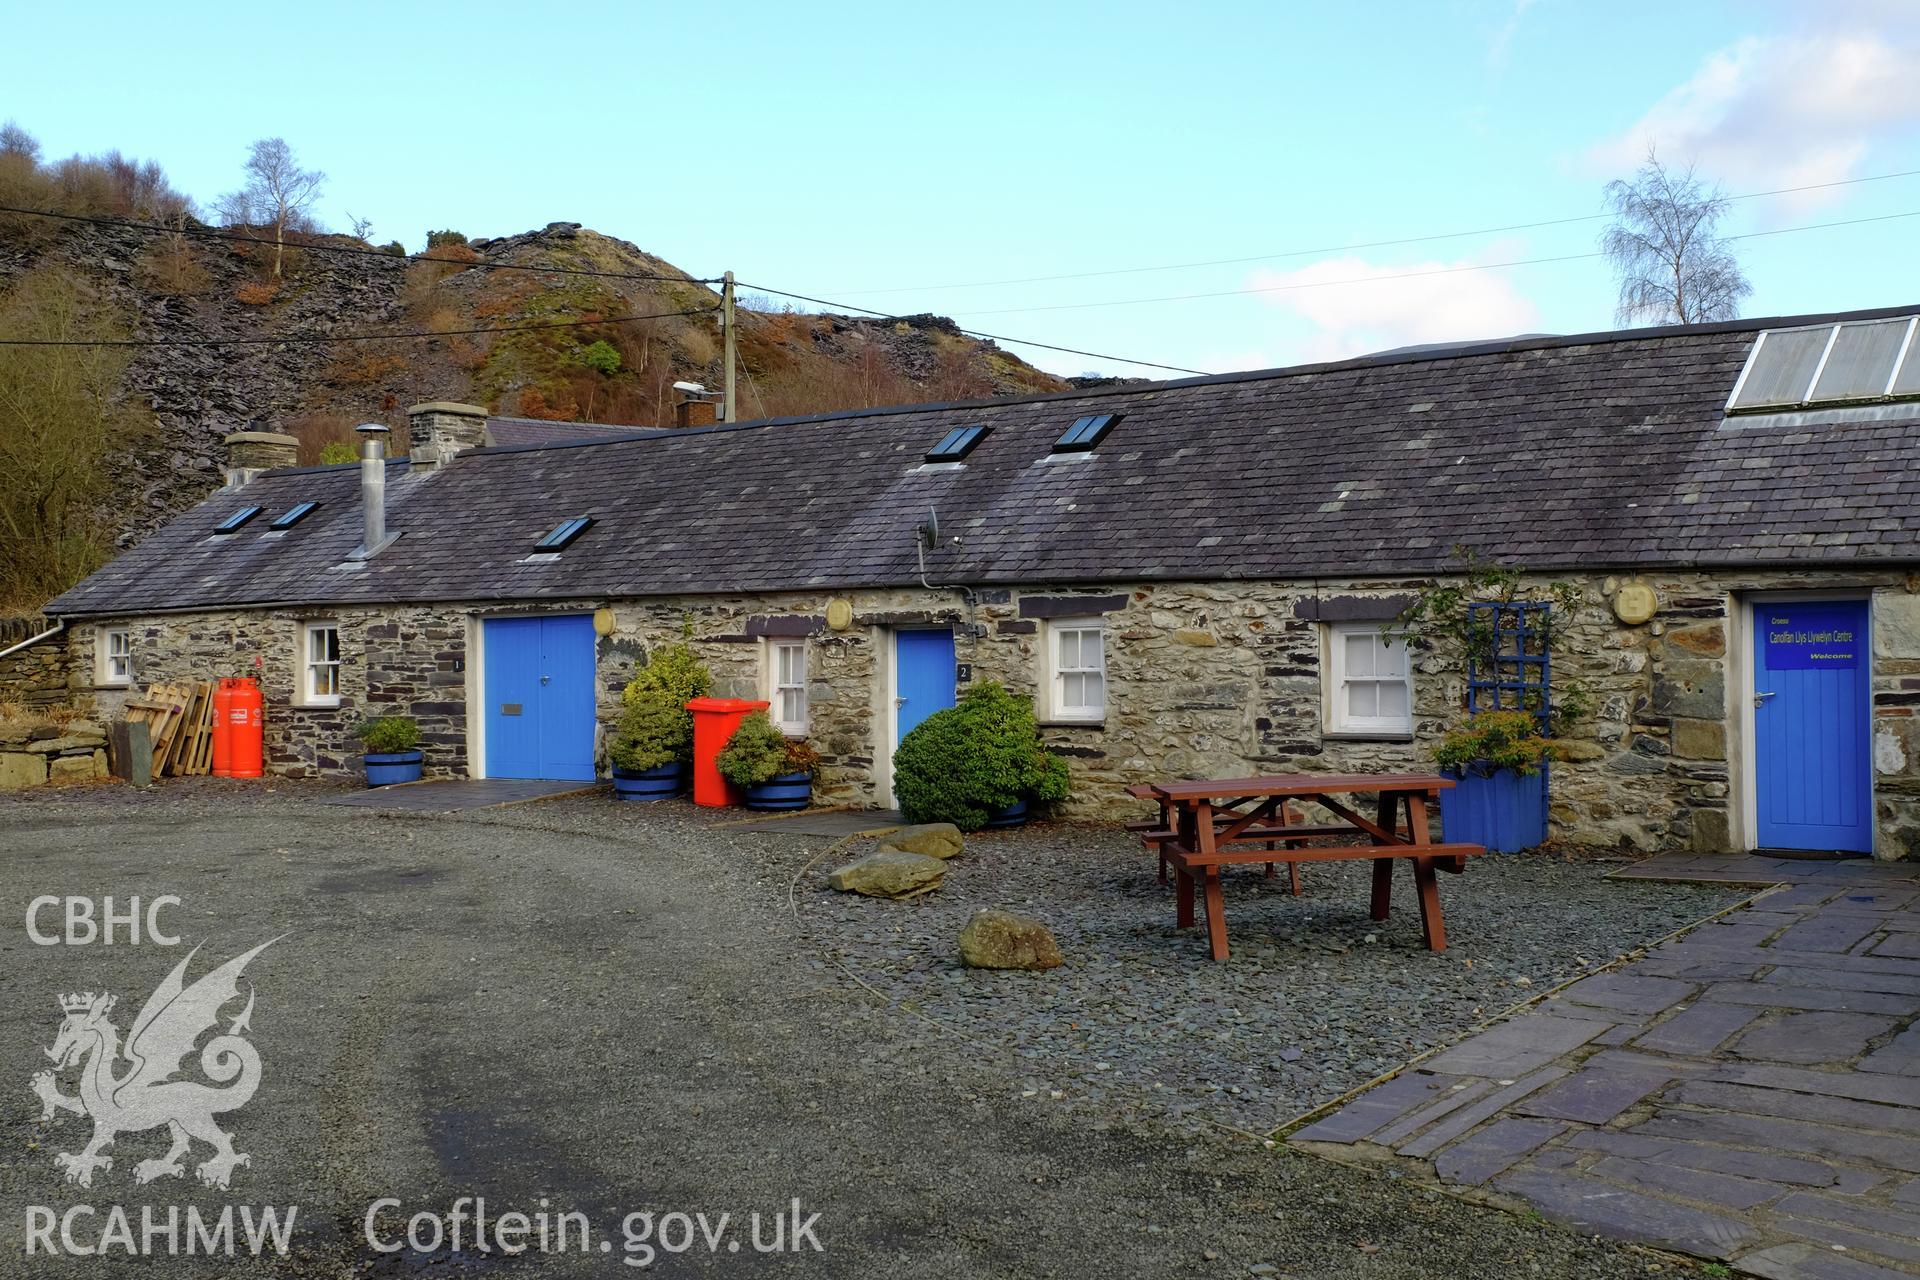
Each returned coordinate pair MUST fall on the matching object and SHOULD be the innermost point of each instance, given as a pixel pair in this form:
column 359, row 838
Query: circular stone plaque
column 1634, row 603
column 839, row 613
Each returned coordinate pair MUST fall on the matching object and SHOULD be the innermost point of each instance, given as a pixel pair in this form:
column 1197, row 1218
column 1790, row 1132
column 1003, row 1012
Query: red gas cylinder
column 222, row 730
column 714, row 720
column 245, row 728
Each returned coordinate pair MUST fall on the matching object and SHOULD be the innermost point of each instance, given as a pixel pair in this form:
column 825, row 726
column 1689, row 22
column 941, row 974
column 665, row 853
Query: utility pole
column 727, row 406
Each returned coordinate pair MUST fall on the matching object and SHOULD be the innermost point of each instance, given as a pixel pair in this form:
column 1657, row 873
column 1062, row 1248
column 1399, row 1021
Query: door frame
column 888, row 691
column 1740, row 651
column 477, row 681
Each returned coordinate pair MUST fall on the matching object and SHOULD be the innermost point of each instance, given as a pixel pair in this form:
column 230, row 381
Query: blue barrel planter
column 385, row 768
column 1497, row 808
column 782, row 791
column 1014, row 815
column 662, row 782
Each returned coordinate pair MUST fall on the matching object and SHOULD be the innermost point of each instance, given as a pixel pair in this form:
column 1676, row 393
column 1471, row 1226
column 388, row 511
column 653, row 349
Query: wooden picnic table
column 1219, row 822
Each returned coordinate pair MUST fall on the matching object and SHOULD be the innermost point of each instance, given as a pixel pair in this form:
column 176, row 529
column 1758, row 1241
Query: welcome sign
column 1812, row 637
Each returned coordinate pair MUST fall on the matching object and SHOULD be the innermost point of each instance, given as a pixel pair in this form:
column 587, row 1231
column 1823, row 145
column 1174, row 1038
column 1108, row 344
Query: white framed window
column 787, row 685
column 1077, row 670
column 113, row 657
column 320, row 664
column 1369, row 681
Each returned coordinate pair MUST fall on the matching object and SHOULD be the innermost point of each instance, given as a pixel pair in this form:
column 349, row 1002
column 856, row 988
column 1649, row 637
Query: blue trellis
column 1509, row 667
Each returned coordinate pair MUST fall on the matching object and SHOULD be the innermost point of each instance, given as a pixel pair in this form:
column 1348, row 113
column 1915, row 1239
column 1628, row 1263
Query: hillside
column 180, row 288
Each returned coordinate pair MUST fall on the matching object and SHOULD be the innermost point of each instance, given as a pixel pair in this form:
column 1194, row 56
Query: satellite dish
column 929, row 531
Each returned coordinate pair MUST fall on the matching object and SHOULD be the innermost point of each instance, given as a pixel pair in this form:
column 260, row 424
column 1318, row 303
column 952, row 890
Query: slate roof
column 1598, row 451
column 519, row 432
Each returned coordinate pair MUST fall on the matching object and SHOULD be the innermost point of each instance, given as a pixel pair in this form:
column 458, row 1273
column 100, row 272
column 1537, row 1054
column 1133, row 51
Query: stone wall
column 1203, row 680
column 40, row 675
column 33, row 754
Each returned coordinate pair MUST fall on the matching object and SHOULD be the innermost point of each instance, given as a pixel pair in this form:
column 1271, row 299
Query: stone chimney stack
column 692, row 412
column 440, row 428
column 251, row 452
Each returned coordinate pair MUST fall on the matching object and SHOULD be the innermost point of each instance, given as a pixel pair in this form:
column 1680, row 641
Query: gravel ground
column 609, row 1007
column 1316, row 998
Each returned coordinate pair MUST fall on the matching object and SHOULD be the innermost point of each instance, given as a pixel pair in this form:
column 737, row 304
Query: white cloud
column 1500, row 48
column 1786, row 110
column 1389, row 305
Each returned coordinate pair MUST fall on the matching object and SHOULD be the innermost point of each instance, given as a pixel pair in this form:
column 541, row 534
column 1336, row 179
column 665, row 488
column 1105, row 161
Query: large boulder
column 890, row 873
column 930, row 839
column 19, row 770
column 996, row 939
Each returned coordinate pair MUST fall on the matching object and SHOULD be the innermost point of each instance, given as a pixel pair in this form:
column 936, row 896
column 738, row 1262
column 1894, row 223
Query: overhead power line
column 1399, row 275
column 208, row 233
column 971, row 333
column 324, row 338
column 1281, row 255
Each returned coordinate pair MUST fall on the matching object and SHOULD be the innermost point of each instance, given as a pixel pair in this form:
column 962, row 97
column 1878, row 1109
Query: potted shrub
column 653, row 739
column 1499, row 796
column 977, row 764
column 392, row 746
column 775, row 770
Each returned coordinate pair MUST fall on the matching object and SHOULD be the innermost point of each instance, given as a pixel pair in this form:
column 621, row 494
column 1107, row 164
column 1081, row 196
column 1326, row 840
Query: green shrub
column 961, row 764
column 651, row 731
column 672, row 678
column 335, row 452
column 601, row 357
column 758, row 752
column 388, row 734
column 442, row 239
column 394, row 249
column 1502, row 739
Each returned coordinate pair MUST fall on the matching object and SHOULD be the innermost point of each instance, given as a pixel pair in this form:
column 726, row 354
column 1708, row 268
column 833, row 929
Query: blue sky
column 871, row 153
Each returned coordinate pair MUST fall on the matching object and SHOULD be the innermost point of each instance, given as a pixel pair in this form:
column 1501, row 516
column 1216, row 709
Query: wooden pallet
column 179, row 720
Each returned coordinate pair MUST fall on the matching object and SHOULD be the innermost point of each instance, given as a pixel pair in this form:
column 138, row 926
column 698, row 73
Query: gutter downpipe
column 48, row 634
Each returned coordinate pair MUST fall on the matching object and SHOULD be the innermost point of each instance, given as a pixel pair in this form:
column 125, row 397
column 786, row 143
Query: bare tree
column 278, row 193
column 1674, row 266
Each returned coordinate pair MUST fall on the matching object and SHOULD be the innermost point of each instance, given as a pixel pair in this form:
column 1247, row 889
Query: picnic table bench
column 1209, row 824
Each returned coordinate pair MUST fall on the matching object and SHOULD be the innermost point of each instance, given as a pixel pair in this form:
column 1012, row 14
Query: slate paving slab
column 1495, row 1148
column 1812, row 1037
column 1601, row 1208
column 1697, row 1030
column 1749, row 1092
column 1595, row 1096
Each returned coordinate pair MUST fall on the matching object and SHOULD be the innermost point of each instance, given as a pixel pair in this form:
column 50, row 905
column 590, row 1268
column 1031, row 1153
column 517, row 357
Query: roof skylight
column 564, row 533
column 293, row 515
column 238, row 518
column 1860, row 360
column 1086, row 432
column 957, row 444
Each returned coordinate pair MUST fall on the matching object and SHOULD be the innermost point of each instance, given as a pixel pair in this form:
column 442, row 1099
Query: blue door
column 1813, row 782
column 540, row 697
column 923, row 677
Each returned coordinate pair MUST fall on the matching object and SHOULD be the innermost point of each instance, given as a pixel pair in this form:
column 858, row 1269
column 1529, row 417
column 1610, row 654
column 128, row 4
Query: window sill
column 317, row 704
column 1058, row 723
column 1367, row 735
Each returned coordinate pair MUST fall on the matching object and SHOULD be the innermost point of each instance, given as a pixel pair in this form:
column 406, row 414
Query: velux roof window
column 564, row 533
column 1085, row 433
column 293, row 515
column 1853, row 362
column 957, row 444
column 233, row 522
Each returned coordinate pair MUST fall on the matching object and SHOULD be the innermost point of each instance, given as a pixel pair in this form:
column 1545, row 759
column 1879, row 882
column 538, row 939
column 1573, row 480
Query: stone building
column 1190, row 578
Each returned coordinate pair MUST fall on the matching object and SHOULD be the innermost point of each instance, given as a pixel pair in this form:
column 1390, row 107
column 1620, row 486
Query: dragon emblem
column 130, row 1089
